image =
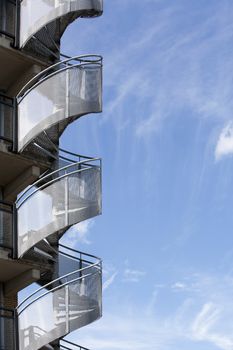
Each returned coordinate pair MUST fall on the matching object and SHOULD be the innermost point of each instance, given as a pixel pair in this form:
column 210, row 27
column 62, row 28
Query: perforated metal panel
column 36, row 14
column 57, row 206
column 66, row 95
column 61, row 311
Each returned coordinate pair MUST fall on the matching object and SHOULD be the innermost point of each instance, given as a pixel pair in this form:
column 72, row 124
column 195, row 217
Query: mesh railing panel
column 70, row 93
column 63, row 203
column 36, row 14
column 60, row 312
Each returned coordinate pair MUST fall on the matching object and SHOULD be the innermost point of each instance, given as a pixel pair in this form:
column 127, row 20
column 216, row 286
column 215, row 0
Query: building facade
column 45, row 190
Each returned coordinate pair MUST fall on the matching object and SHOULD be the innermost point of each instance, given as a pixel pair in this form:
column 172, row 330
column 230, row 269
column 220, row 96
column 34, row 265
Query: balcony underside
column 15, row 165
column 16, row 68
column 12, row 269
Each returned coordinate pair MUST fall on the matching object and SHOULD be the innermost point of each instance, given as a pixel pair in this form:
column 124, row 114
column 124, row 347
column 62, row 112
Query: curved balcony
column 59, row 95
column 37, row 14
column 69, row 302
column 60, row 199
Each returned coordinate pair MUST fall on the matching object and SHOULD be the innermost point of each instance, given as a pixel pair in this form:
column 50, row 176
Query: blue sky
column 166, row 139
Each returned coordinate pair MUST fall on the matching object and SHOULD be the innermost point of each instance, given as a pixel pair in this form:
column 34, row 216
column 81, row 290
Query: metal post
column 15, row 233
column 66, row 201
column 2, row 323
column 17, row 24
column 15, row 125
column 16, row 331
column 67, row 308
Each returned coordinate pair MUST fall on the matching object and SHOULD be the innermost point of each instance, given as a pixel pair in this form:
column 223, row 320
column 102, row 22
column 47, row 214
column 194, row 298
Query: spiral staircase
column 60, row 188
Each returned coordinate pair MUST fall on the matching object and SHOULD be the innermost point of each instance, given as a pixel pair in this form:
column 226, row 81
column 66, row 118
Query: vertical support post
column 16, row 330
column 15, row 232
column 2, row 119
column 2, row 323
column 17, row 24
column 80, row 265
column 100, row 194
column 67, row 308
column 101, row 287
column 67, row 109
column 15, row 125
column 66, row 201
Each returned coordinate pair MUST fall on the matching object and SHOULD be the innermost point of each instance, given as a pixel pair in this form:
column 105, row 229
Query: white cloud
column 179, row 286
column 78, row 234
column 203, row 319
column 131, row 275
column 224, row 145
column 109, row 281
column 204, row 327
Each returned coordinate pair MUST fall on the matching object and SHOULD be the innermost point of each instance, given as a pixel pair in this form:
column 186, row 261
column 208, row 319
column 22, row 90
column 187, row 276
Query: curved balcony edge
column 69, row 302
column 61, row 199
column 59, row 94
column 34, row 18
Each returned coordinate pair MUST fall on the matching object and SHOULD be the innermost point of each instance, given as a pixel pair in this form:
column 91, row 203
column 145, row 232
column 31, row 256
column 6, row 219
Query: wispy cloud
column 201, row 318
column 109, row 281
column 224, row 145
column 204, row 324
column 132, row 275
column 78, row 233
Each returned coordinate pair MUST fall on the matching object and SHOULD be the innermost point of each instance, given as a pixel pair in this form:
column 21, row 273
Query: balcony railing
column 35, row 15
column 60, row 199
column 59, row 94
column 69, row 302
column 45, row 20
column 67, row 345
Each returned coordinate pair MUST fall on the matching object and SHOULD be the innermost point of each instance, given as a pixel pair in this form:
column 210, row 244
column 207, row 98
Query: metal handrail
column 62, row 150
column 73, row 154
column 40, row 77
column 97, row 265
column 78, row 252
column 72, row 344
column 50, row 291
column 20, row 201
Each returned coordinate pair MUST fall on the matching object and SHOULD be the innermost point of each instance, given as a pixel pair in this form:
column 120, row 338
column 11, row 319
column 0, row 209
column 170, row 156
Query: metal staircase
column 69, row 302
column 68, row 191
